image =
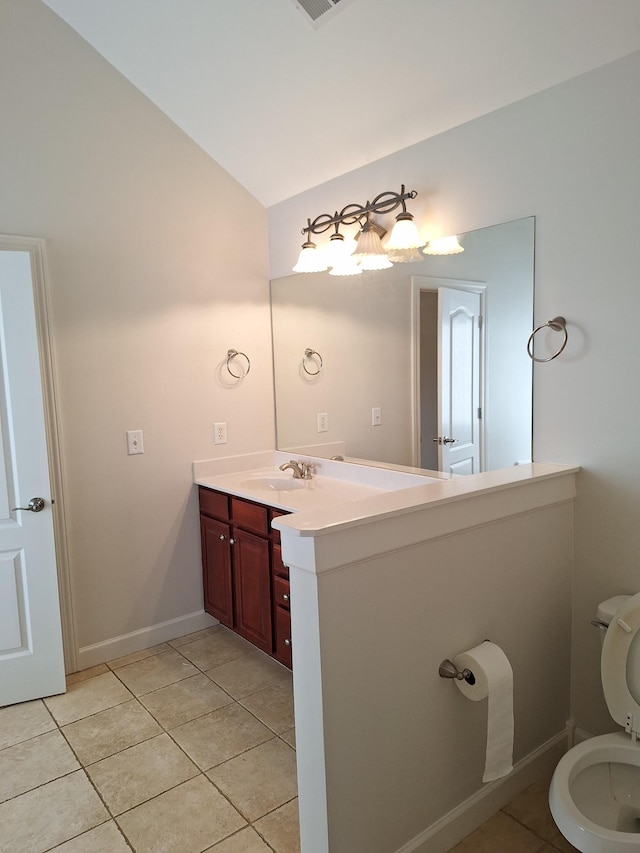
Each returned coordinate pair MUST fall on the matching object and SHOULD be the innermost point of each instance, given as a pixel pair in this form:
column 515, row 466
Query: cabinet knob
column 287, row 642
column 232, row 541
column 285, row 596
column 222, row 537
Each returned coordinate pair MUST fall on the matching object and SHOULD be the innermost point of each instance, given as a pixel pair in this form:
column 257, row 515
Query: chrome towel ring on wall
column 308, row 358
column 232, row 354
column 558, row 324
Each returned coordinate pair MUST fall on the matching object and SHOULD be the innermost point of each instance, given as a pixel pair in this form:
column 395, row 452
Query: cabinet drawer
column 250, row 516
column 279, row 567
column 275, row 513
column 214, row 503
column 283, row 636
column 281, row 593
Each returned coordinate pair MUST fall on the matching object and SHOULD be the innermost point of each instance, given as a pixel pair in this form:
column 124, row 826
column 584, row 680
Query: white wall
column 151, row 282
column 569, row 157
column 378, row 603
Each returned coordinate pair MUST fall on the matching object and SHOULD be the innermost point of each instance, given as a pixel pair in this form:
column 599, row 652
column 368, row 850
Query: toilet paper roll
column 493, row 679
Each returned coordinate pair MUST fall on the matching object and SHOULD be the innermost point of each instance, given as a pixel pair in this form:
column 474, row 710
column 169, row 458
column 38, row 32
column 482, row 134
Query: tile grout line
column 532, row 830
column 110, row 816
column 80, row 767
column 235, row 701
column 202, row 772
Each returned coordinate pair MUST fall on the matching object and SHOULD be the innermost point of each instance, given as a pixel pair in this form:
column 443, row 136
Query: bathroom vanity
column 246, row 584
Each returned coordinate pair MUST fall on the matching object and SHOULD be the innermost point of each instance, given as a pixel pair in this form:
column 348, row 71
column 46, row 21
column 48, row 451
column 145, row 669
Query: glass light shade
column 405, row 234
column 368, row 242
column 404, row 256
column 346, row 266
column 374, row 262
column 339, row 248
column 310, row 259
column 443, row 246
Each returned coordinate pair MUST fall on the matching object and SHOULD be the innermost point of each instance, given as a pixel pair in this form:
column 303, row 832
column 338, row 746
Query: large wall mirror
column 421, row 365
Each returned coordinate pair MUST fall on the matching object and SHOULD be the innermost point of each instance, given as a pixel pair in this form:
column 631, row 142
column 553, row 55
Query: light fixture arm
column 385, row 202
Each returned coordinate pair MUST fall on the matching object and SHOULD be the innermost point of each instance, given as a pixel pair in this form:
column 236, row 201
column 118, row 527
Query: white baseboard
column 579, row 735
column 450, row 829
column 143, row 638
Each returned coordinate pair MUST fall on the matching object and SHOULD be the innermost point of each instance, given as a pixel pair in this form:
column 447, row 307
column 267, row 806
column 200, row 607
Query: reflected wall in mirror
column 400, row 361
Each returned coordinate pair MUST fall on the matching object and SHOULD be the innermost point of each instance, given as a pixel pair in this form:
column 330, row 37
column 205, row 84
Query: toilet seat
column 617, row 646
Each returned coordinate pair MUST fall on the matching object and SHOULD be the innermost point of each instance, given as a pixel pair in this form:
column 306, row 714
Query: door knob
column 448, row 440
column 35, row 505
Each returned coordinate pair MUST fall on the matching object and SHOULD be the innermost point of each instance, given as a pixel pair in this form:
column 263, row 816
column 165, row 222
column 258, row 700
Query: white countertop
column 438, row 495
column 257, row 477
column 344, row 494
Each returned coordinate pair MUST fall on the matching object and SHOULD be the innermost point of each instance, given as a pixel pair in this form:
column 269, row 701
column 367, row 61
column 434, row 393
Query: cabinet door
column 216, row 569
column 252, row 589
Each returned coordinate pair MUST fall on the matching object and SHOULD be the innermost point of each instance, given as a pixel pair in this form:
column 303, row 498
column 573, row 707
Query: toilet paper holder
column 448, row 669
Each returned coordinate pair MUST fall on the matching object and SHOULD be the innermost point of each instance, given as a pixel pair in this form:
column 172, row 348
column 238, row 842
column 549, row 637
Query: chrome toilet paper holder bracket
column 448, row 669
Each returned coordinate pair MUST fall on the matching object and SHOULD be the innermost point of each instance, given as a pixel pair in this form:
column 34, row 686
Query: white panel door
column 459, row 381
column 31, row 654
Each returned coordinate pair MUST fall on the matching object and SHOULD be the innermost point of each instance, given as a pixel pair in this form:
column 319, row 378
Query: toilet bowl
column 595, row 790
column 595, row 795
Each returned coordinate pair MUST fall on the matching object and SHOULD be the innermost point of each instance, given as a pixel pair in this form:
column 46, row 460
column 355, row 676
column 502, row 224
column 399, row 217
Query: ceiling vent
column 318, row 12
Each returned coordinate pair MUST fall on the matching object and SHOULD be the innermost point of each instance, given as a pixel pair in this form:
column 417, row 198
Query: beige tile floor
column 524, row 825
column 183, row 748
column 188, row 747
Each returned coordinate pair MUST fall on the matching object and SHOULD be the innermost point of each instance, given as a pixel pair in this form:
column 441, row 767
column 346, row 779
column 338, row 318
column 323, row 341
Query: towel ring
column 307, row 355
column 233, row 353
column 558, row 324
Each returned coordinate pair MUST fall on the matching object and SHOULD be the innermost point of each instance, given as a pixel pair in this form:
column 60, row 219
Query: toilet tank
column 607, row 609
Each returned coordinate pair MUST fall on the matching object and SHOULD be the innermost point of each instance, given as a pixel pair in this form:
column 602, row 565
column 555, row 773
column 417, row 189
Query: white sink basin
column 258, row 477
column 275, row 484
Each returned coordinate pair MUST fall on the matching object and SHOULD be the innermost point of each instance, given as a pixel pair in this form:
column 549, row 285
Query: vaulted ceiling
column 284, row 106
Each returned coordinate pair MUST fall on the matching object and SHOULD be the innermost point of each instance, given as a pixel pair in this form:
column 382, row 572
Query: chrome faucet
column 301, row 470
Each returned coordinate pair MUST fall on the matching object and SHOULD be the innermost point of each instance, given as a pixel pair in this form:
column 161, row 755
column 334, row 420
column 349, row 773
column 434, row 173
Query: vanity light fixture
column 369, row 252
column 347, row 265
column 443, row 246
column 338, row 249
column 310, row 259
column 404, row 256
column 404, row 234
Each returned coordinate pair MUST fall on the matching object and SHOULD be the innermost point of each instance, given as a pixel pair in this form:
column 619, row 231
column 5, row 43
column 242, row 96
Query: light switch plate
column 135, row 443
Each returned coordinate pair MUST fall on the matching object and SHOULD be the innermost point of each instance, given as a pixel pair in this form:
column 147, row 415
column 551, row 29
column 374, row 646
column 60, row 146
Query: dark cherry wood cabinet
column 252, row 589
column 246, row 584
column 216, row 562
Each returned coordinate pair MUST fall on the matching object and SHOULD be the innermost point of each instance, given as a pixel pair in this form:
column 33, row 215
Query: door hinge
column 479, row 413
column 480, row 321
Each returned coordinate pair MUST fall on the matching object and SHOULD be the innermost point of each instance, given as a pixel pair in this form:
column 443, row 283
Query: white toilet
column 595, row 790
